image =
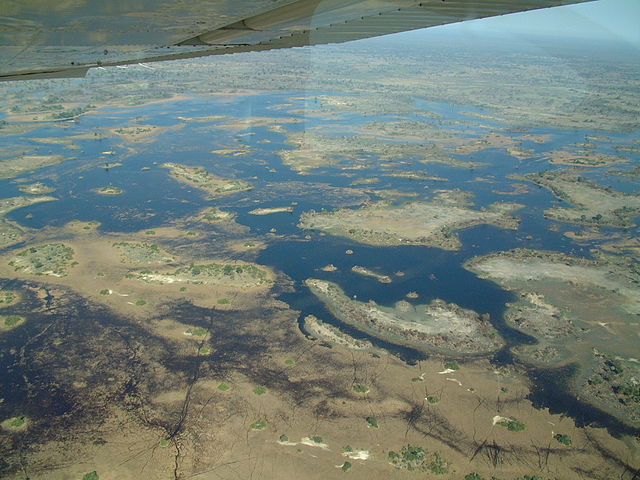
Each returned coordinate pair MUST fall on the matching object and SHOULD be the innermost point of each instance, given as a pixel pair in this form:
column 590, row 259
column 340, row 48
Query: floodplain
column 307, row 270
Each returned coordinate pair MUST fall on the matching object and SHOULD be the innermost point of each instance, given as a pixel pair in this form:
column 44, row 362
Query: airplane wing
column 43, row 39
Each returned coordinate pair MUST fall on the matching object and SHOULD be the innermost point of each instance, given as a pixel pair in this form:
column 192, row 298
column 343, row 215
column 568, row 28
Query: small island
column 592, row 204
column 200, row 178
column 326, row 332
column 268, row 211
column 438, row 326
column 37, row 188
column 431, row 224
column 215, row 215
column 109, row 190
column 370, row 273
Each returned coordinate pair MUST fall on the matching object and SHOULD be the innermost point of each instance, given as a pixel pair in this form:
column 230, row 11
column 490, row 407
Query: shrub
column 563, row 439
column 453, row 365
column 513, row 424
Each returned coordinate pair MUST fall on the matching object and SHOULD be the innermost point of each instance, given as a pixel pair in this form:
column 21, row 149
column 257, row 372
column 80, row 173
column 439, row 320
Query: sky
column 603, row 19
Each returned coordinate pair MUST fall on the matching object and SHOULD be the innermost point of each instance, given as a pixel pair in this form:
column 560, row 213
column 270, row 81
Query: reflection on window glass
column 412, row 253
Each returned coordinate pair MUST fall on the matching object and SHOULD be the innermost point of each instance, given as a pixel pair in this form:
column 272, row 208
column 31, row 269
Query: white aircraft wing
column 41, row 38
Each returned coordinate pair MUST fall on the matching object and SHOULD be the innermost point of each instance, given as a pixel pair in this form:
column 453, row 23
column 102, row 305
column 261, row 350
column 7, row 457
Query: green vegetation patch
column 453, row 365
column 11, row 321
column 17, row 424
column 8, row 297
column 512, row 424
column 438, row 465
column 372, row 421
column 196, row 332
column 51, row 259
column 91, row 476
column 346, row 466
column 433, row 399
column 223, row 387
column 563, row 439
column 259, row 425
column 140, row 303
column 233, row 275
column 141, row 253
column 414, row 458
column 358, row 388
column 283, row 438
column 260, row 390
column 204, row 351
